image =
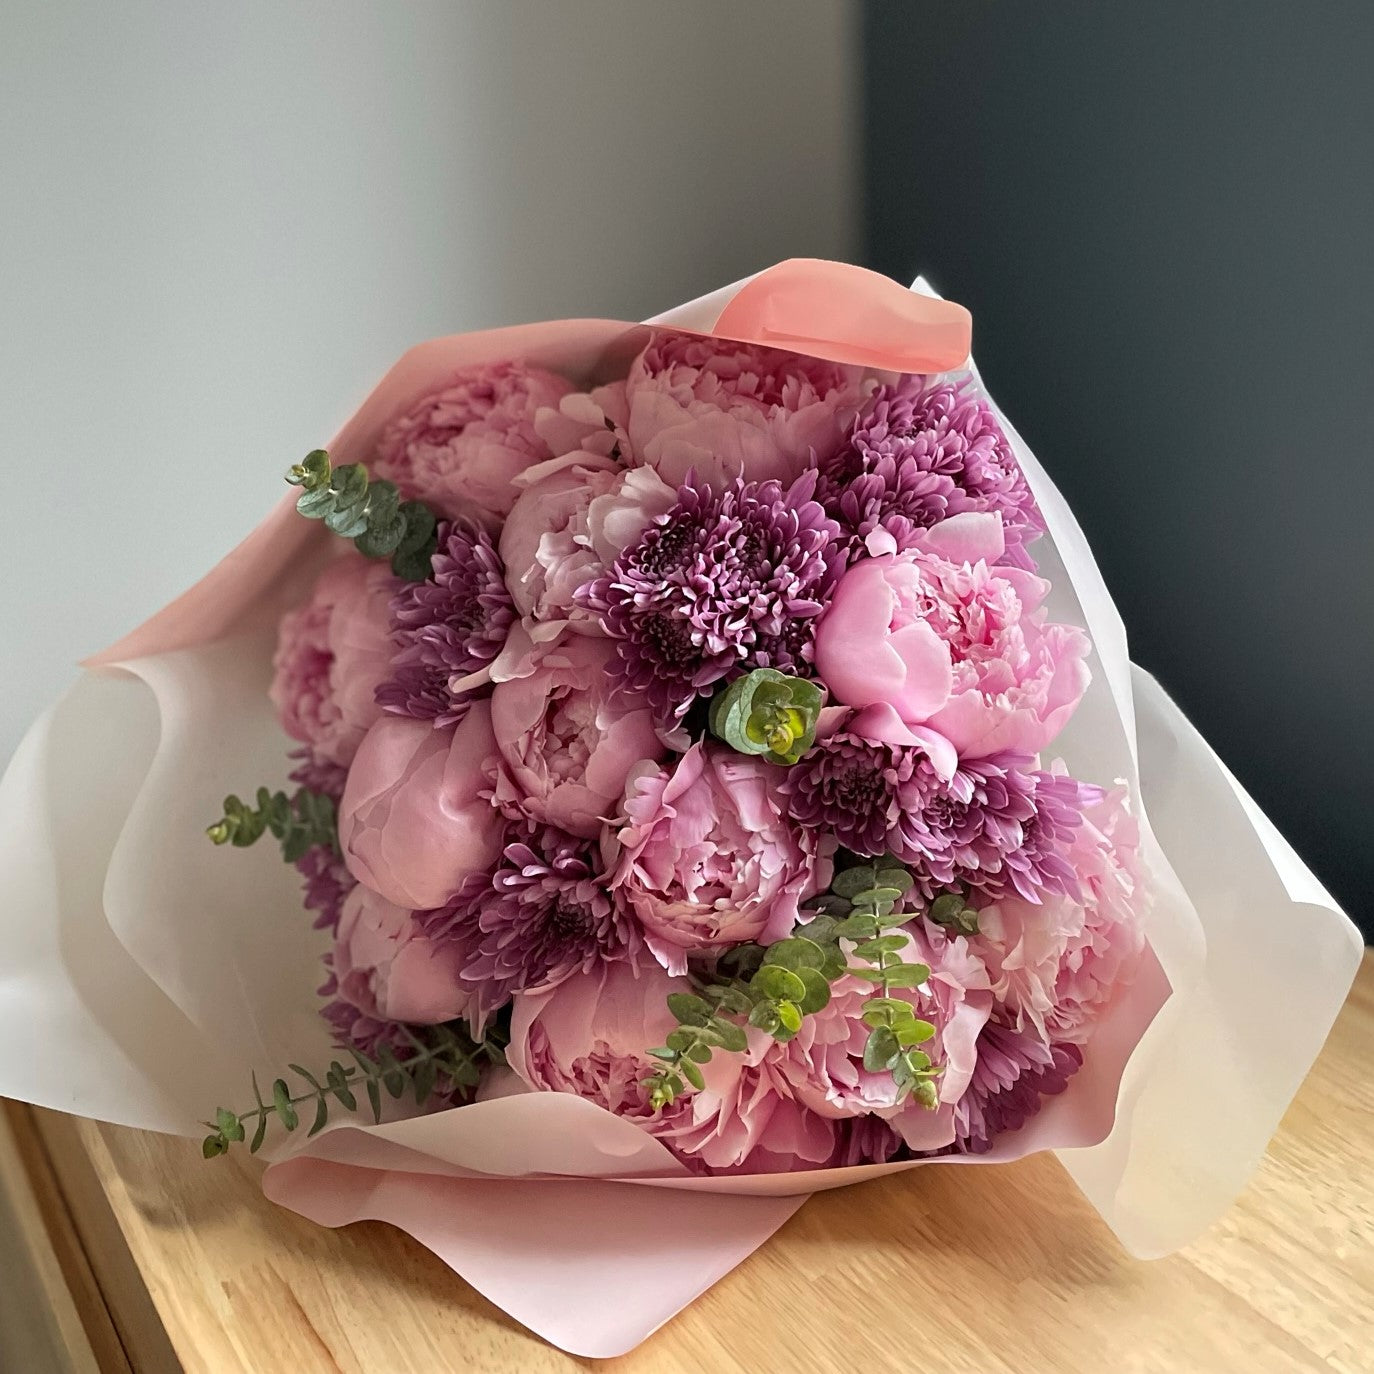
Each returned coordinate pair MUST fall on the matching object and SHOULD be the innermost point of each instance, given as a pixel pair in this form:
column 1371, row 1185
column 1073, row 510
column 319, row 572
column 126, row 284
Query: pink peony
column 459, row 449
column 589, row 1036
column 1057, row 965
column 586, row 423
column 388, row 968
column 574, row 516
column 416, row 817
column 332, row 654
column 951, row 641
column 729, row 409
column 568, row 741
column 710, row 856
column 754, row 1123
column 823, row 1063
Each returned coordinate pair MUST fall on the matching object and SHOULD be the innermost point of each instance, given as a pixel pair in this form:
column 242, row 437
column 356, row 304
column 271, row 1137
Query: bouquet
column 700, row 756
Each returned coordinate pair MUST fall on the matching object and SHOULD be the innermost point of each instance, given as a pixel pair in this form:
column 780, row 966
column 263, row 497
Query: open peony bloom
column 729, row 410
column 332, row 653
column 710, row 856
column 1057, row 965
column 388, row 968
column 950, row 640
column 416, row 817
column 823, row 1064
column 568, row 740
column 573, row 517
column 459, row 449
column 588, row 1036
column 753, row 1123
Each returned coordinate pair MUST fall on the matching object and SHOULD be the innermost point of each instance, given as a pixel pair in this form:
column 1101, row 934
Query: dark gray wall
column 1162, row 218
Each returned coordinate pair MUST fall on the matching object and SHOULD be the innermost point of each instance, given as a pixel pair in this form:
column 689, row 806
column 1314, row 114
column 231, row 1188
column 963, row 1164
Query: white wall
column 219, row 223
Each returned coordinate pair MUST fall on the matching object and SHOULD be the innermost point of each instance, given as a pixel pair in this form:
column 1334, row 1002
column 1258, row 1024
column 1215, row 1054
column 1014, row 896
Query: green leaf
column 905, row 975
column 732, row 1037
column 778, row 983
column 789, row 1016
column 282, row 1105
column 884, row 944
column 849, row 882
column 213, row 1146
column 681, row 1039
column 817, row 996
column 764, row 1016
column 689, row 1009
column 321, row 1116
column 795, row 953
column 767, row 714
column 692, row 1074
column 700, row 1053
column 259, row 1135
column 230, row 1127
column 424, row 1080
column 881, row 1050
column 315, row 504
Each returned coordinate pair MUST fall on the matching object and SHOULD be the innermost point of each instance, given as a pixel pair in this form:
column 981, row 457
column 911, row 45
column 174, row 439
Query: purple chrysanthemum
column 996, row 826
column 868, row 1140
column 1015, row 1072
column 447, row 627
column 921, row 451
column 317, row 774
column 327, row 880
column 543, row 914
column 327, row 883
column 719, row 585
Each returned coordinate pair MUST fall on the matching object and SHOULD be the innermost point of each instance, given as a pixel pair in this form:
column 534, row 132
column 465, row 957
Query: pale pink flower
column 823, row 1063
column 754, row 1123
column 590, row 423
column 416, row 817
column 332, row 653
column 952, row 641
column 573, row 517
column 726, row 410
column 1058, row 965
column 710, row 857
column 388, row 968
column 568, row 741
column 589, row 1036
column 459, row 449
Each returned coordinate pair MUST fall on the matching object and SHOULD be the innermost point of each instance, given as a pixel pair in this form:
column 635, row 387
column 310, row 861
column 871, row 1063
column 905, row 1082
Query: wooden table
column 991, row 1271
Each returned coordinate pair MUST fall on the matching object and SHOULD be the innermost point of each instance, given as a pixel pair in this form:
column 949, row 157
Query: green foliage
column 300, row 821
column 768, row 714
column 952, row 911
column 370, row 513
column 866, row 902
column 774, row 988
column 436, row 1052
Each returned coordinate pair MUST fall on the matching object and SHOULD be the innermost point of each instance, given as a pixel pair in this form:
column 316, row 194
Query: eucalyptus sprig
column 446, row 1052
column 774, row 990
column 775, row 987
column 300, row 821
column 370, row 512
column 874, row 891
column 768, row 714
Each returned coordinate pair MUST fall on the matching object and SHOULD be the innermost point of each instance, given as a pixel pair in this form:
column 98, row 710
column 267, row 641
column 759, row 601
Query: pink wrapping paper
column 544, row 1202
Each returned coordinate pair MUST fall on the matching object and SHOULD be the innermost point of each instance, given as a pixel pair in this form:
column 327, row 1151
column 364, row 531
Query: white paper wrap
column 145, row 972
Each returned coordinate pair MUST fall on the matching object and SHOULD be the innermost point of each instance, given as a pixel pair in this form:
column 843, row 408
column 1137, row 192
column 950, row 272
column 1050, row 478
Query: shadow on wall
column 221, row 224
column 1159, row 217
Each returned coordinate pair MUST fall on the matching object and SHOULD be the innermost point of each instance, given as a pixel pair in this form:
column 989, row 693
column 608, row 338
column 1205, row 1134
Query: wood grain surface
column 992, row 1271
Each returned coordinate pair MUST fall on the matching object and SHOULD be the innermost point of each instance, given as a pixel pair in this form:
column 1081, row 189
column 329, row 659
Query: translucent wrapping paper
column 146, row 973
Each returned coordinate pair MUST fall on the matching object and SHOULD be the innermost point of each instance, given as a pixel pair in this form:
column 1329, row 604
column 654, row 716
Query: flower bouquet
column 707, row 769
